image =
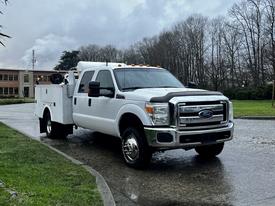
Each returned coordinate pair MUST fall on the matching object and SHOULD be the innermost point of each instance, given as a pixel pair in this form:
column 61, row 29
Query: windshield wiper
column 166, row 87
column 133, row 88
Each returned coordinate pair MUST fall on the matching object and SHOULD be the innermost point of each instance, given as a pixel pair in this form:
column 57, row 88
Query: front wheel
column 135, row 150
column 210, row 151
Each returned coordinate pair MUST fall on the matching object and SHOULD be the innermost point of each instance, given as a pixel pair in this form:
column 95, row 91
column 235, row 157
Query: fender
column 44, row 108
column 133, row 109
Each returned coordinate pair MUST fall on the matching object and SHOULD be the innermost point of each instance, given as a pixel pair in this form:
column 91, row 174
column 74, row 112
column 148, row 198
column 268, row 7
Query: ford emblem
column 207, row 113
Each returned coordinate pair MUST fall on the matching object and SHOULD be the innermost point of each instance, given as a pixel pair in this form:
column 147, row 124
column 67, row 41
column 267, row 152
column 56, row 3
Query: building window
column 1, row 90
column 5, row 77
column 26, row 78
column 10, row 77
column 1, row 77
column 10, row 90
column 15, row 77
column 16, row 91
column 6, row 91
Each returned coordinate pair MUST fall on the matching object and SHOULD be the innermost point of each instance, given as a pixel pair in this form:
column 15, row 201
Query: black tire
column 135, row 150
column 54, row 130
column 210, row 151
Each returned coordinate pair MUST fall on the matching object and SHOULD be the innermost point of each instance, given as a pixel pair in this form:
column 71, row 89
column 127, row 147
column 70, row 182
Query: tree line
column 232, row 51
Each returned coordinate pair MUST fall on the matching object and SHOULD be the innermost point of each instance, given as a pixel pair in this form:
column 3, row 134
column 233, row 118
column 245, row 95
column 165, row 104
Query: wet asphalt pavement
column 244, row 174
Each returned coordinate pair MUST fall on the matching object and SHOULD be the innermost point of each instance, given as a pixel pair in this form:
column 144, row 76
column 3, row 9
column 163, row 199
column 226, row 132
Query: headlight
column 159, row 113
column 231, row 115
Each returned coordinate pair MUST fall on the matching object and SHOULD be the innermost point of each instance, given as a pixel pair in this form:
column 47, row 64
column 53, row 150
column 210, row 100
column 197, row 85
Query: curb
column 103, row 187
column 257, row 117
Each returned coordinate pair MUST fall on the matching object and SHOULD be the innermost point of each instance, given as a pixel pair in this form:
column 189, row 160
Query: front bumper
column 171, row 138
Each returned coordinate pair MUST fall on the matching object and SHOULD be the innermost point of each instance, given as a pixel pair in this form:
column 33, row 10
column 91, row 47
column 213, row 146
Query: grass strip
column 4, row 101
column 39, row 176
column 253, row 108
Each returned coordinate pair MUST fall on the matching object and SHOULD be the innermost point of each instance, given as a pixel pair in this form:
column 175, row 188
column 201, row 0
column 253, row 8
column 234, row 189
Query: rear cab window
column 84, row 84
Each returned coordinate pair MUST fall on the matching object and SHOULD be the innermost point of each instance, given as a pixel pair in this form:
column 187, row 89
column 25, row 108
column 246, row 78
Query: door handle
column 90, row 102
column 75, row 101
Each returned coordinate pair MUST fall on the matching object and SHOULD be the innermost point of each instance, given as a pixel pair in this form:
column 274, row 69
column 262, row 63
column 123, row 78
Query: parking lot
column 244, row 174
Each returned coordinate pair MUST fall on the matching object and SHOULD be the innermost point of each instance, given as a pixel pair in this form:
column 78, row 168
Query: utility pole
column 34, row 81
column 33, row 59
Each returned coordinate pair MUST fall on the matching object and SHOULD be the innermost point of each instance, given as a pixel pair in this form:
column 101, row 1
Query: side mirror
column 192, row 85
column 107, row 92
column 94, row 89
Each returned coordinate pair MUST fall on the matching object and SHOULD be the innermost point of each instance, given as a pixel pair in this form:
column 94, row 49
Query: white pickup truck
column 147, row 107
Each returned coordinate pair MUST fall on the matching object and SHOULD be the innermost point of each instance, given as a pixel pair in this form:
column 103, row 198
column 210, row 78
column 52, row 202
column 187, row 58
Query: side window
column 84, row 84
column 105, row 79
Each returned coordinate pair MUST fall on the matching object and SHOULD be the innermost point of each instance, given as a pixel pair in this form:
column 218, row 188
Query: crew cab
column 147, row 107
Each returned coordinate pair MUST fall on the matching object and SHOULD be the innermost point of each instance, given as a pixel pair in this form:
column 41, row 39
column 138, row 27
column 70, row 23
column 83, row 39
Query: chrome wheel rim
column 130, row 148
column 49, row 126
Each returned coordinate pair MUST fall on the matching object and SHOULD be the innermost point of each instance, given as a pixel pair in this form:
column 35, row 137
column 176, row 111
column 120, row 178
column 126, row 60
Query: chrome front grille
column 202, row 115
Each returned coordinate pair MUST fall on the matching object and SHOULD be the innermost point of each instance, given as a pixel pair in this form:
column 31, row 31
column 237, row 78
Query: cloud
column 52, row 26
column 48, row 49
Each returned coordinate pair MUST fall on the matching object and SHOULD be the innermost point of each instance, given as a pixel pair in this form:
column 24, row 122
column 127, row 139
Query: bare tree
column 2, row 34
column 270, row 30
column 232, row 44
column 248, row 15
column 217, row 70
column 190, row 49
column 89, row 53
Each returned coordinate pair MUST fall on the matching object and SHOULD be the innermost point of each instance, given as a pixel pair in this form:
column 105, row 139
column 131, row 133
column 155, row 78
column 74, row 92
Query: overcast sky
column 51, row 27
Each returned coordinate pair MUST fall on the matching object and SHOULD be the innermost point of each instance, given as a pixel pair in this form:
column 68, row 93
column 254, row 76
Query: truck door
column 105, row 109
column 81, row 105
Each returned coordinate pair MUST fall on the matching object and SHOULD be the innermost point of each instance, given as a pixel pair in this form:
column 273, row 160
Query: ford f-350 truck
column 147, row 107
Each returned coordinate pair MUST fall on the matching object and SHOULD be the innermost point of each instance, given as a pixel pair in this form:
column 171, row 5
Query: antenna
column 107, row 61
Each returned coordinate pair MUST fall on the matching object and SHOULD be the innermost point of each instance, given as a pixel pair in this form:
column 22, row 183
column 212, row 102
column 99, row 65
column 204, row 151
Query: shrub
column 249, row 93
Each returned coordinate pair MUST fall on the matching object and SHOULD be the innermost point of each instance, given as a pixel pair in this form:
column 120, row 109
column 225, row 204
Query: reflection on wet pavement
column 173, row 177
column 242, row 175
column 177, row 177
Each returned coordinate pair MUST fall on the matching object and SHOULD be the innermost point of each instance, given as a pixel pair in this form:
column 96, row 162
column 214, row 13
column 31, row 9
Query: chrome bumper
column 175, row 137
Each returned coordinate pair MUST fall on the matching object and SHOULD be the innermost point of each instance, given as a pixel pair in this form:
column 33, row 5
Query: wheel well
column 46, row 111
column 127, row 120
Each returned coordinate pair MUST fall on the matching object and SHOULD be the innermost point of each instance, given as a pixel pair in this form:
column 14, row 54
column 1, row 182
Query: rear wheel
column 135, row 150
column 210, row 151
column 54, row 130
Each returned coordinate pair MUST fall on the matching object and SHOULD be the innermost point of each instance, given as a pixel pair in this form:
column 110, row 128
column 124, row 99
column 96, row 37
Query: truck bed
column 56, row 99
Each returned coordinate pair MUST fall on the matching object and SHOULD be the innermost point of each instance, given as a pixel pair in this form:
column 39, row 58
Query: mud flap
column 42, row 125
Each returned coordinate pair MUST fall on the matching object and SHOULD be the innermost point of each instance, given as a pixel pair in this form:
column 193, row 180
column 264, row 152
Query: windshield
column 131, row 79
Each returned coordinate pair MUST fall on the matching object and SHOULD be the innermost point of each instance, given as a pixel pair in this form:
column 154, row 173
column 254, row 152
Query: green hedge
column 250, row 93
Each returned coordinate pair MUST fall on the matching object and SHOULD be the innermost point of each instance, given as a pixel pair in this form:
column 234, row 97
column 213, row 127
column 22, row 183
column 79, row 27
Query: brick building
column 21, row 82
